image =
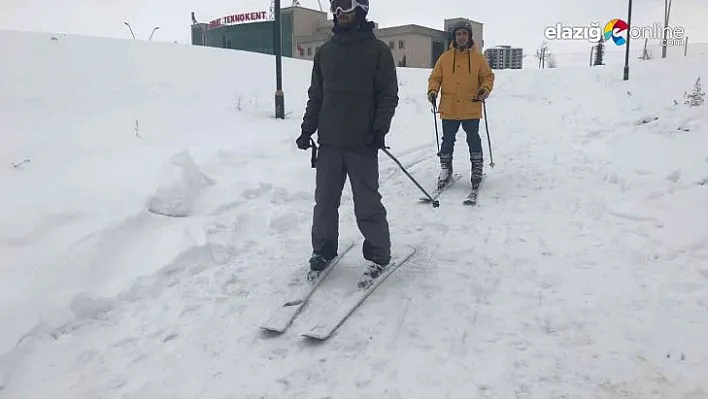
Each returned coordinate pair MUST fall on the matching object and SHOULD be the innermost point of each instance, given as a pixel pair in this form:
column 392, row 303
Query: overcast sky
column 515, row 22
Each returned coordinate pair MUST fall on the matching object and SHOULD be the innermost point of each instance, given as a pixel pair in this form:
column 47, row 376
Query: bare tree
column 541, row 54
column 667, row 12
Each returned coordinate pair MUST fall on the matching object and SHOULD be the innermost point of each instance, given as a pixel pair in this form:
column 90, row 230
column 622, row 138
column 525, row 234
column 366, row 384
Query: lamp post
column 279, row 95
column 153, row 32
column 131, row 29
column 626, row 53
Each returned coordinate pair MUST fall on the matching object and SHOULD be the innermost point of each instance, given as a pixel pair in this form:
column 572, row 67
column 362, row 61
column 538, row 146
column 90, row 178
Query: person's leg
column 474, row 142
column 449, row 128
column 330, row 179
column 371, row 218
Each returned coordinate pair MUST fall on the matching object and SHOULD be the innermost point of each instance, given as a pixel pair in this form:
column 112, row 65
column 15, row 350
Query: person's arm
column 486, row 75
column 435, row 78
column 314, row 102
column 385, row 90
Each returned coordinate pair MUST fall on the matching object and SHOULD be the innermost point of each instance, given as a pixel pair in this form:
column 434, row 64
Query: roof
column 410, row 29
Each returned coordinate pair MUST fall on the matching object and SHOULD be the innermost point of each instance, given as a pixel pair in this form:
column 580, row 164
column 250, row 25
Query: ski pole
column 489, row 140
column 486, row 126
column 435, row 202
column 435, row 120
column 313, row 158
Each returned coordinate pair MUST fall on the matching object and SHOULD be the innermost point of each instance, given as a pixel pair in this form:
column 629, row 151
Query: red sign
column 238, row 18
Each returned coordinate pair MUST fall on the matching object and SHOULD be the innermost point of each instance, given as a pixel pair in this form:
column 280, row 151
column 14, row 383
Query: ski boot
column 372, row 272
column 318, row 264
column 445, row 170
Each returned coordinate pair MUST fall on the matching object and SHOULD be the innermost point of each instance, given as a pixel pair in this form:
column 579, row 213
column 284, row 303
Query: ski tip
column 411, row 250
column 313, row 336
column 316, row 333
column 272, row 330
column 405, row 252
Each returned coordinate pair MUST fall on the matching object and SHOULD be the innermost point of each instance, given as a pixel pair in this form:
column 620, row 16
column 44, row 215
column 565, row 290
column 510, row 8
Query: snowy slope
column 582, row 273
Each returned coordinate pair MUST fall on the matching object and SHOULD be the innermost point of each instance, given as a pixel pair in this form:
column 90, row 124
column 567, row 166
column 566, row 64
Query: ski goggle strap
column 345, row 6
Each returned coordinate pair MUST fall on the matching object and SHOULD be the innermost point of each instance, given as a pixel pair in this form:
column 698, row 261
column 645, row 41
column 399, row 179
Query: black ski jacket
column 353, row 91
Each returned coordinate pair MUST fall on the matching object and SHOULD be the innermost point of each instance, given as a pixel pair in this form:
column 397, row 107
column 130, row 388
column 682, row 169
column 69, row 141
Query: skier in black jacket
column 353, row 96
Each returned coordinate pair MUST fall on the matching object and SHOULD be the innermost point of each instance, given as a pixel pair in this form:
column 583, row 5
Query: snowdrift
column 154, row 213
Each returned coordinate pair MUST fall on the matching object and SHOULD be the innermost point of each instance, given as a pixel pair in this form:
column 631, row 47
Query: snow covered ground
column 614, row 55
column 582, row 273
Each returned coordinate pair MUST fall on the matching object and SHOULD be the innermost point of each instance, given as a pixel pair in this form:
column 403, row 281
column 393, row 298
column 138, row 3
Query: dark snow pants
column 451, row 127
column 334, row 164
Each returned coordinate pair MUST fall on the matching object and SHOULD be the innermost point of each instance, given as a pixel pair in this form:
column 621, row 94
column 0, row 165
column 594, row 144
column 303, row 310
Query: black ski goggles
column 345, row 6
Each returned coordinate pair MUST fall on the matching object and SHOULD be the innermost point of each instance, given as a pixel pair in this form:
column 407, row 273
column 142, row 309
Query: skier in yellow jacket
column 461, row 75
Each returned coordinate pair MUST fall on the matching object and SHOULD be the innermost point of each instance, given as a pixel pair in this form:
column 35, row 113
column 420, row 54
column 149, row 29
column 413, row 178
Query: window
column 309, row 51
column 390, row 45
column 401, row 44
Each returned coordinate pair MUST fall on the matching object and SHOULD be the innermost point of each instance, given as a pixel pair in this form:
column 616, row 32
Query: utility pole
column 626, row 54
column 667, row 11
column 277, row 36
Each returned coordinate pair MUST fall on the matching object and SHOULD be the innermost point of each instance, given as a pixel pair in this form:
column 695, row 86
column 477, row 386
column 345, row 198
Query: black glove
column 378, row 139
column 303, row 142
column 432, row 96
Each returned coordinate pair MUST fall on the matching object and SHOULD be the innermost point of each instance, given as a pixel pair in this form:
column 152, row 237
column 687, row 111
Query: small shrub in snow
column 697, row 98
column 646, row 119
column 137, row 129
column 17, row 165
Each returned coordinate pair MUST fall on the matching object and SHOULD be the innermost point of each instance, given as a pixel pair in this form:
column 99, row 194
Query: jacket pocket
column 446, row 104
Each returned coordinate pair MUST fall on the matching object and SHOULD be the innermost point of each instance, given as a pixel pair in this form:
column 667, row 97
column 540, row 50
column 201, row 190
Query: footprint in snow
column 220, row 239
column 703, row 272
column 286, row 223
column 261, row 190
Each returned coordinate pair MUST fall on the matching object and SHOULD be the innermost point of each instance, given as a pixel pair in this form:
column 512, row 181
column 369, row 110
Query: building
column 304, row 30
column 504, row 57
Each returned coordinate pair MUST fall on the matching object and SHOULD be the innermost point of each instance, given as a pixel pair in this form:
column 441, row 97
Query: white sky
column 515, row 22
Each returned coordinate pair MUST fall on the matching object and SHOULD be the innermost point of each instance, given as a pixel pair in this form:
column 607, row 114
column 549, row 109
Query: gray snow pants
column 334, row 164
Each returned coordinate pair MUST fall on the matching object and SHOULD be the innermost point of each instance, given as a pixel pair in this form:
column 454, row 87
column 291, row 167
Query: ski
column 283, row 317
column 324, row 329
column 436, row 193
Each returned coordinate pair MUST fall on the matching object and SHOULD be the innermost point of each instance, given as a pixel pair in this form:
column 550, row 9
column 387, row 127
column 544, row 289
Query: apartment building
column 504, row 57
